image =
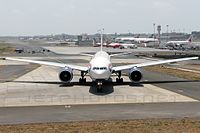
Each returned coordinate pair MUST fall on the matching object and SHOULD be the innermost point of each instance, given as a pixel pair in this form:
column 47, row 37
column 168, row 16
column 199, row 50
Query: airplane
column 98, row 44
column 122, row 45
column 100, row 68
column 116, row 45
column 179, row 43
column 137, row 40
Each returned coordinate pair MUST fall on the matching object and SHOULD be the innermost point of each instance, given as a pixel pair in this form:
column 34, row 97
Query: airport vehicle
column 179, row 44
column 100, row 68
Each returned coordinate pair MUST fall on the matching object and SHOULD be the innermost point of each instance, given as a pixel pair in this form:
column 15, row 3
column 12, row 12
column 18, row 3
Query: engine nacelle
column 135, row 75
column 66, row 75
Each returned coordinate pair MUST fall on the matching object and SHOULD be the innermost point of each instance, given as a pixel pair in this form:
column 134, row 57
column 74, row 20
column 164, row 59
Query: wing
column 127, row 67
column 87, row 54
column 119, row 54
column 62, row 65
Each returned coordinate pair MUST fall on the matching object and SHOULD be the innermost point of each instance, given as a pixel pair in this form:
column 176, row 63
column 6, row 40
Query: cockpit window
column 104, row 68
column 95, row 68
column 99, row 68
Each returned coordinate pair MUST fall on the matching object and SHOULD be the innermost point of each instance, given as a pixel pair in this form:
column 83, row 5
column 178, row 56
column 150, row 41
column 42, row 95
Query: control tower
column 159, row 32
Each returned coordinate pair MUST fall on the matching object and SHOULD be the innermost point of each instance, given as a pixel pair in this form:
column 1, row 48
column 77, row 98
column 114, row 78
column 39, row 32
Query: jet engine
column 135, row 75
column 66, row 75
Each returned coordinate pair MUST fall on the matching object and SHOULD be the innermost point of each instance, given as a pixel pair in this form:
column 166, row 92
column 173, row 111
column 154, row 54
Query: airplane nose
column 100, row 72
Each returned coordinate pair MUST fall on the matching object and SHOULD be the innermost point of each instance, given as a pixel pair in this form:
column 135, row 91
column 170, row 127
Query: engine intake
column 135, row 75
column 66, row 75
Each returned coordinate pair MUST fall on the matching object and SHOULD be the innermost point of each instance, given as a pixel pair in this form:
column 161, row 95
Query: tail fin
column 101, row 41
column 94, row 42
column 190, row 39
column 151, row 36
column 138, row 36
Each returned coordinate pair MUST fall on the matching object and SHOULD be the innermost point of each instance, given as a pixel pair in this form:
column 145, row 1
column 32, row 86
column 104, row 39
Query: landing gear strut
column 82, row 79
column 119, row 79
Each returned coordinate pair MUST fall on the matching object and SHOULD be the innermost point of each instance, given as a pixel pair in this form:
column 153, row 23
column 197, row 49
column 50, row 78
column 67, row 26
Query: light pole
column 167, row 32
column 154, row 30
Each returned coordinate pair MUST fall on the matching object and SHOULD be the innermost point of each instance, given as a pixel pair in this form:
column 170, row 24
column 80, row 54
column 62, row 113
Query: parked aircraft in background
column 122, row 45
column 179, row 44
column 137, row 40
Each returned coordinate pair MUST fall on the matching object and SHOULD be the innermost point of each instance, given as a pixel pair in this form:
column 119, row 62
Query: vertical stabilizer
column 190, row 39
column 102, row 41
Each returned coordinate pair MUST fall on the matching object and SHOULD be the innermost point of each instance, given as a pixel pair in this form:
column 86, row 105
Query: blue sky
column 37, row 17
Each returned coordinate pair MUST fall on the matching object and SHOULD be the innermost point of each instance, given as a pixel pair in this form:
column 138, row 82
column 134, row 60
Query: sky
column 45, row 17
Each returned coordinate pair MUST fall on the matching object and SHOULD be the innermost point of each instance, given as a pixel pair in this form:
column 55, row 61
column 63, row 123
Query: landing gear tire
column 99, row 89
column 119, row 80
column 82, row 80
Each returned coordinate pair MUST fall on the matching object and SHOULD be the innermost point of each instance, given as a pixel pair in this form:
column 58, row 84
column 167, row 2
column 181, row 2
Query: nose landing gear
column 99, row 86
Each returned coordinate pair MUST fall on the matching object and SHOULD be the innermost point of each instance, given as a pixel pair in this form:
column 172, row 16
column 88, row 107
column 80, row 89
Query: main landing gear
column 119, row 79
column 82, row 80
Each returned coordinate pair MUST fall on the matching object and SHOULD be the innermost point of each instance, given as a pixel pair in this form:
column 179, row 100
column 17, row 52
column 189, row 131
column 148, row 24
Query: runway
column 37, row 95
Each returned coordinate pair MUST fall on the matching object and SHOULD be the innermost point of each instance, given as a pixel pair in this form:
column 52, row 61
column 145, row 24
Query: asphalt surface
column 185, row 87
column 23, row 115
column 67, row 113
column 11, row 72
column 40, row 114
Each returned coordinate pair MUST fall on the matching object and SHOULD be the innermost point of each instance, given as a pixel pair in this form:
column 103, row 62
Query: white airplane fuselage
column 123, row 45
column 178, row 42
column 100, row 66
column 139, row 40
